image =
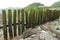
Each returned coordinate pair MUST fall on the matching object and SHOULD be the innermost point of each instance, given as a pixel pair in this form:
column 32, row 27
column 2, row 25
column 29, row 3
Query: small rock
column 32, row 36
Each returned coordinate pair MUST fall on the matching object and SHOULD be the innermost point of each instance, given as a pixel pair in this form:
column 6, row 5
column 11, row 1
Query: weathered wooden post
column 58, row 16
column 22, row 20
column 19, row 30
column 57, row 13
column 49, row 14
column 26, row 16
column 10, row 23
column 36, row 17
column 50, row 11
column 53, row 15
column 44, row 15
column 14, row 22
column 39, row 16
column 30, row 19
column 4, row 24
column 33, row 18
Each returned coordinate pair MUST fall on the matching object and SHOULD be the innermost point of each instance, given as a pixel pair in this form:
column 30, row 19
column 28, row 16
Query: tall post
column 22, row 20
column 26, row 16
column 4, row 24
column 19, row 22
column 14, row 22
column 10, row 23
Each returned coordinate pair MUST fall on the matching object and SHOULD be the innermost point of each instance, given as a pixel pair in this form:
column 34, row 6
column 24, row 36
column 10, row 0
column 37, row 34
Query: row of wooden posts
column 20, row 20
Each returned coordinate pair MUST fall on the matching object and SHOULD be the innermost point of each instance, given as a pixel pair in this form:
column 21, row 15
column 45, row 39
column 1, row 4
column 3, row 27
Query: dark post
column 22, row 20
column 14, row 22
column 10, row 23
column 26, row 16
column 4, row 24
column 19, row 21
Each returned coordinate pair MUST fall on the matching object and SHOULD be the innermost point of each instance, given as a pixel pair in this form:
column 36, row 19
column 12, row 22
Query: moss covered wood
column 22, row 20
column 14, row 22
column 44, row 16
column 33, row 19
column 39, row 17
column 57, row 14
column 4, row 24
column 26, row 16
column 19, row 32
column 49, row 15
column 36, row 16
column 54, row 14
column 30, row 19
column 10, row 23
column 41, row 13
